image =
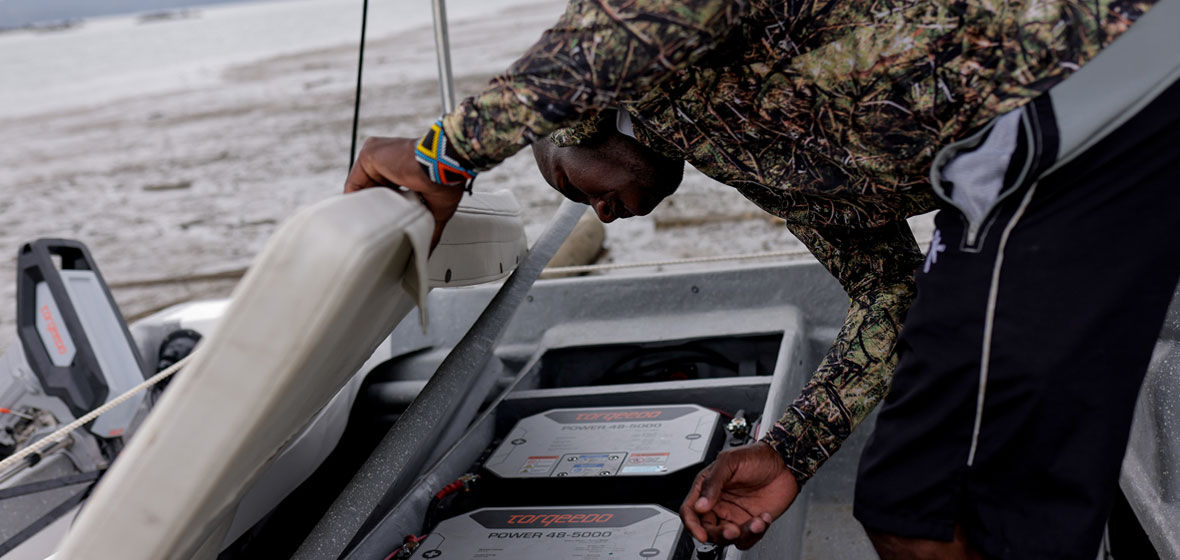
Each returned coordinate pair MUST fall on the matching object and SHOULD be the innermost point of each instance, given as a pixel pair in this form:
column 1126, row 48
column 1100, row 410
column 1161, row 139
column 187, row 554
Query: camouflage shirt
column 827, row 114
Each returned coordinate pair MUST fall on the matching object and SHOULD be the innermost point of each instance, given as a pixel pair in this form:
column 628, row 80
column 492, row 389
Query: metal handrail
column 442, row 48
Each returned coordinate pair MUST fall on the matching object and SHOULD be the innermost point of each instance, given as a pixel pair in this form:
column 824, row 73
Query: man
column 830, row 115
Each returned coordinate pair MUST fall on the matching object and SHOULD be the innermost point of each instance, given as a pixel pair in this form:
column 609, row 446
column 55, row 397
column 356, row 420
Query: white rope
column 64, row 431
column 580, row 269
column 717, row 258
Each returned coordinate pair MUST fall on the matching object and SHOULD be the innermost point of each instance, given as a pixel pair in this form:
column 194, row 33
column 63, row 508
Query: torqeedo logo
column 616, row 416
column 54, row 333
column 547, row 519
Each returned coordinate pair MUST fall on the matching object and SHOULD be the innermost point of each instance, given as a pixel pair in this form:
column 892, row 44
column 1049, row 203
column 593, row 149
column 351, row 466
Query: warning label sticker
column 648, row 459
column 590, row 464
column 538, row 466
column 646, row 463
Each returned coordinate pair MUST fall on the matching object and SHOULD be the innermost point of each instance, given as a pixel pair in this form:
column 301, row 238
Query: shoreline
column 109, row 58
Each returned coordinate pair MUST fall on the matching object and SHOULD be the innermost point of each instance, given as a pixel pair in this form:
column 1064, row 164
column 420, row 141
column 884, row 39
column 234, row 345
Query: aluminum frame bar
column 403, row 453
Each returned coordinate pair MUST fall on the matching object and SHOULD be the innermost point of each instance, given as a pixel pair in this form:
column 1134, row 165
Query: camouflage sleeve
column 599, row 51
column 876, row 267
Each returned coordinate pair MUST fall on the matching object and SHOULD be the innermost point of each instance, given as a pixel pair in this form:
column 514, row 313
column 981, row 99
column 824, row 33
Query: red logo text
column 614, row 416
column 548, row 519
column 51, row 326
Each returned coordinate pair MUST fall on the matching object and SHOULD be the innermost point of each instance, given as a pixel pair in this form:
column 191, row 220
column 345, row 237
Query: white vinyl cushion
column 319, row 299
column 484, row 241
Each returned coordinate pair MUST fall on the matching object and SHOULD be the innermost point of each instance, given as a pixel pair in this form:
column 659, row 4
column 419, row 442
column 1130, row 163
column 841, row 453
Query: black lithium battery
column 638, row 454
column 570, row 533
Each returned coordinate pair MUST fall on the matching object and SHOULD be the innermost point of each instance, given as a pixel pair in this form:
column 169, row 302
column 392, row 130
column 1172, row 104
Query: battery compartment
column 591, row 371
column 590, row 483
column 462, row 495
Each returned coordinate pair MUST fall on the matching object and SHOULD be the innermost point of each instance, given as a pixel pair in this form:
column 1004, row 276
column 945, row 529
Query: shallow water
column 113, row 57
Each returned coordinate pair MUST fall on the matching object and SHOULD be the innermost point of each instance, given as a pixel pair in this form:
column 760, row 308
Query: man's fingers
column 375, row 165
column 716, row 476
column 756, row 526
column 751, row 533
column 687, row 512
column 693, row 524
column 714, row 529
column 742, row 536
column 731, row 532
column 358, row 178
column 354, row 183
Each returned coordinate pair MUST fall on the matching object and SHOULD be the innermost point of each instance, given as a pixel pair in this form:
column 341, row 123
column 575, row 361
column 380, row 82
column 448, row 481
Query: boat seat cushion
column 321, row 296
column 483, row 242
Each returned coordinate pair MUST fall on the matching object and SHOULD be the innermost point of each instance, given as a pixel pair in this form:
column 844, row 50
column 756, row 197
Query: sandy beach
column 188, row 184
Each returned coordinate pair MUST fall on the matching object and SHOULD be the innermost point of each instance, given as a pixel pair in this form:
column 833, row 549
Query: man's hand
column 734, row 500
column 389, row 162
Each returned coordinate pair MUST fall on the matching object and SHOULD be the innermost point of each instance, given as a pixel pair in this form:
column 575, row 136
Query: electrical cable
column 440, row 505
column 409, row 545
column 727, row 415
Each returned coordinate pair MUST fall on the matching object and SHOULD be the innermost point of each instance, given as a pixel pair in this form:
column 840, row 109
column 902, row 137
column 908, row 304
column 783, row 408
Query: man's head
column 611, row 172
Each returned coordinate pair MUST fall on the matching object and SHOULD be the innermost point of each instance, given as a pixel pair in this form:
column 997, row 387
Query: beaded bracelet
column 439, row 160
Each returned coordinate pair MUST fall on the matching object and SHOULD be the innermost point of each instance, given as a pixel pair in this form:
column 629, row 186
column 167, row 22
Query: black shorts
column 1023, row 354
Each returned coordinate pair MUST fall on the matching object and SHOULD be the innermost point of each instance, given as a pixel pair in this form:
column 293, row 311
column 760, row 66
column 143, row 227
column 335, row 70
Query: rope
column 695, row 260
column 232, row 274
column 65, row 431
column 581, row 269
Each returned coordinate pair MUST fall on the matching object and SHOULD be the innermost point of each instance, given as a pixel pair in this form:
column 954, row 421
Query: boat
column 315, row 414
column 54, row 26
column 167, row 15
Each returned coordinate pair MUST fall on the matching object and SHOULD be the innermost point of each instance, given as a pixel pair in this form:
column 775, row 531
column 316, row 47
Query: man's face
column 612, row 180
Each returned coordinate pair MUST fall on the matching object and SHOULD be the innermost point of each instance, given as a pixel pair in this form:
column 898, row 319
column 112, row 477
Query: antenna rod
column 442, row 47
column 360, row 66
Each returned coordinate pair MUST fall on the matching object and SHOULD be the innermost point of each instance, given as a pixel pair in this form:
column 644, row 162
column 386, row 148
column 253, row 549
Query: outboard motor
column 73, row 335
column 75, row 354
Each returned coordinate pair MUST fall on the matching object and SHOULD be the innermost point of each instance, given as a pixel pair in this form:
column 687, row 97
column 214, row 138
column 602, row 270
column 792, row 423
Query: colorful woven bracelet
column 439, row 160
